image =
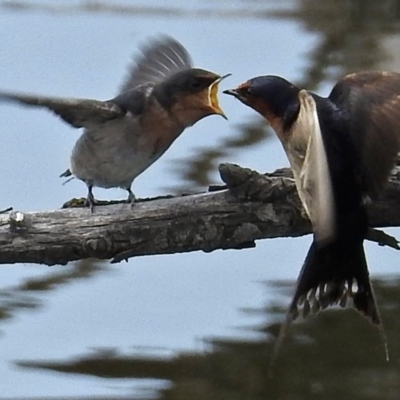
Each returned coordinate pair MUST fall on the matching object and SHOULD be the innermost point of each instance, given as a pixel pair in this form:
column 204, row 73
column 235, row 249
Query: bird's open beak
column 213, row 96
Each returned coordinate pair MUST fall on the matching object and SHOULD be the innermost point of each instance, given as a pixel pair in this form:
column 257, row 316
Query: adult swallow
column 122, row 137
column 341, row 150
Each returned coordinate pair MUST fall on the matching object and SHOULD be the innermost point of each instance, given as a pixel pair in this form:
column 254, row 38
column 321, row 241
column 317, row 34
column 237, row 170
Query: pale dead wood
column 254, row 207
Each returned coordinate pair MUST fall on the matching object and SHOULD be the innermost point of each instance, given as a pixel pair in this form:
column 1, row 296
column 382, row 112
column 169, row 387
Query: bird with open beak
column 341, row 150
column 122, row 137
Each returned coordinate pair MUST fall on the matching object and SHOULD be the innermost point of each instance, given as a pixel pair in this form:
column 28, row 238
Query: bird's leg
column 90, row 200
column 131, row 197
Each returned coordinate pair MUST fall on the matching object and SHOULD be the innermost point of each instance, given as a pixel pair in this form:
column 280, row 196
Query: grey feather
column 116, row 146
column 80, row 113
column 160, row 59
column 66, row 173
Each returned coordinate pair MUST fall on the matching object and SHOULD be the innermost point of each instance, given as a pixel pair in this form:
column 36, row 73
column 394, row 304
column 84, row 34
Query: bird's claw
column 131, row 198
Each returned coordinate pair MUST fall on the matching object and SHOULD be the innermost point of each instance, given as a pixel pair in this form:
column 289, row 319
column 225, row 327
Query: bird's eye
column 196, row 83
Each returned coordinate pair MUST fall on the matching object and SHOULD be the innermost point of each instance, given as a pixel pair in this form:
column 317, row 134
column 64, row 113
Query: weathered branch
column 254, row 207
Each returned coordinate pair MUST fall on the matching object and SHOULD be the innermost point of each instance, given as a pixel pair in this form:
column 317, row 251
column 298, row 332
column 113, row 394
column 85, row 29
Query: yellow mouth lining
column 213, row 96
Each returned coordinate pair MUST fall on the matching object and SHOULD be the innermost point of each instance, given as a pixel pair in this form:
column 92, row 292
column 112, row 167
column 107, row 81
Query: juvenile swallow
column 122, row 137
column 341, row 150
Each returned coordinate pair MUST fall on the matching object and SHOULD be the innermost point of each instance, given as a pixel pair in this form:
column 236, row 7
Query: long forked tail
column 332, row 274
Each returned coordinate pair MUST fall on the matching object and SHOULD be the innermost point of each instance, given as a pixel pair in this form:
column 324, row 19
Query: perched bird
column 341, row 150
column 122, row 137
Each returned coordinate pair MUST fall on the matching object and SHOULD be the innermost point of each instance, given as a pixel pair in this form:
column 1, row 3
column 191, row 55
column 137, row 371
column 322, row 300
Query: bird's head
column 191, row 95
column 273, row 97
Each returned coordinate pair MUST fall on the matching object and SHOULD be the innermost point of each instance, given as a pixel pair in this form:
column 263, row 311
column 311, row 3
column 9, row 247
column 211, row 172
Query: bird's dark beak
column 213, row 96
column 231, row 92
column 238, row 93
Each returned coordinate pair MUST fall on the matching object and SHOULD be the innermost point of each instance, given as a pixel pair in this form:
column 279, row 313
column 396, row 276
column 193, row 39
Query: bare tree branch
column 251, row 207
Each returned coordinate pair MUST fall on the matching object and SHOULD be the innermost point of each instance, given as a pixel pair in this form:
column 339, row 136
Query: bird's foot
column 82, row 202
column 90, row 202
column 131, row 198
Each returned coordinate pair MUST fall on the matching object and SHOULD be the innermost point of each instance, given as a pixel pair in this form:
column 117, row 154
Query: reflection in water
column 351, row 39
column 351, row 36
column 23, row 297
column 336, row 355
column 196, row 171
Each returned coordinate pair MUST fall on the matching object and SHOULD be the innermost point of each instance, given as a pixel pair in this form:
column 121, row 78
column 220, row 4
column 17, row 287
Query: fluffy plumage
column 162, row 95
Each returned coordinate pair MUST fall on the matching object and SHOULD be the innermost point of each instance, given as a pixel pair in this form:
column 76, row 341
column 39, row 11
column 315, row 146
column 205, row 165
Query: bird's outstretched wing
column 371, row 103
column 159, row 59
column 80, row 113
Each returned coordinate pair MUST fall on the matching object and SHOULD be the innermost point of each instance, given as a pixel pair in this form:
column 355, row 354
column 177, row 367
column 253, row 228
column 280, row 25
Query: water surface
column 189, row 325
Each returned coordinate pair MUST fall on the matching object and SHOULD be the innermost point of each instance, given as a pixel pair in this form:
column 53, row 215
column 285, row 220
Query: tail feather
column 332, row 274
column 66, row 174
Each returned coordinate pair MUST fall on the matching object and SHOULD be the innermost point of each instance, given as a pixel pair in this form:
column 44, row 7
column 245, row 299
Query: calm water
column 190, row 326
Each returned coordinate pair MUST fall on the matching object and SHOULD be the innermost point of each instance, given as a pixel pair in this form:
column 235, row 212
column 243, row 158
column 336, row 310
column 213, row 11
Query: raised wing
column 160, row 59
column 371, row 103
column 311, row 169
column 80, row 113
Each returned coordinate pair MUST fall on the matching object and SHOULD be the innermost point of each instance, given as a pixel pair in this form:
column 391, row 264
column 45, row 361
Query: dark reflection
column 22, row 296
column 351, row 34
column 336, row 355
column 198, row 171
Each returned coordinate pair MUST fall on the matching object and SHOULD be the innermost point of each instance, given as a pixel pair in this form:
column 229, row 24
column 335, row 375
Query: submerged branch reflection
column 23, row 296
column 200, row 170
column 352, row 37
column 336, row 355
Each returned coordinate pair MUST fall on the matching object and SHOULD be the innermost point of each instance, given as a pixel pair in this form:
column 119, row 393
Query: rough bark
column 251, row 207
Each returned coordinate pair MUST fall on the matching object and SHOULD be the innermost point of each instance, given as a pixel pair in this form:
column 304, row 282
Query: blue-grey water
column 151, row 305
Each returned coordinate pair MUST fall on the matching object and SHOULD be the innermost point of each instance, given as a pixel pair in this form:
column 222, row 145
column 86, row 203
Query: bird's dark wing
column 159, row 59
column 370, row 101
column 80, row 113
